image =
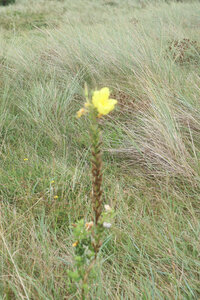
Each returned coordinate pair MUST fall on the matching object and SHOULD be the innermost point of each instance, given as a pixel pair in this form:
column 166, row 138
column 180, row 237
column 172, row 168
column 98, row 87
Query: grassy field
column 148, row 54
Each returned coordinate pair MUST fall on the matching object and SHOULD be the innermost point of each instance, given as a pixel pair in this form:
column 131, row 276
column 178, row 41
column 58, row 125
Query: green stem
column 85, row 279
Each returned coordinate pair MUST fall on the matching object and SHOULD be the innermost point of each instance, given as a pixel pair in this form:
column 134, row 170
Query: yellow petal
column 105, row 93
column 100, row 96
column 101, row 101
column 107, row 107
column 96, row 98
column 113, row 101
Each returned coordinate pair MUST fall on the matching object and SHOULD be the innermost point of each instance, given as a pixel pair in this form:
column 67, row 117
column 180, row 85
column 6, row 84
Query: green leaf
column 74, row 275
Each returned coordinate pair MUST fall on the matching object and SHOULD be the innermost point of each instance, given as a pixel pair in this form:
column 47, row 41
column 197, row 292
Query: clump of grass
column 28, row 20
column 185, row 51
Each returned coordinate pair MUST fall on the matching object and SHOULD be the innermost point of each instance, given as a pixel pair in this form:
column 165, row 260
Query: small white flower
column 107, row 207
column 107, row 225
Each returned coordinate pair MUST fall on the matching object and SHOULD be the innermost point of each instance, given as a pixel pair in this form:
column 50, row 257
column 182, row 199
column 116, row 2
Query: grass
column 151, row 146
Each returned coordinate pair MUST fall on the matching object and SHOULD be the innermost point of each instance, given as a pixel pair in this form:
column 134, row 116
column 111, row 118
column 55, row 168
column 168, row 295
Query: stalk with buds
column 89, row 235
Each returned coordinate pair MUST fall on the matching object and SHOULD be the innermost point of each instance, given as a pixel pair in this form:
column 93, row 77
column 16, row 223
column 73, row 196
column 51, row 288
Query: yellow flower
column 52, row 181
column 101, row 101
column 75, row 244
column 81, row 112
column 56, row 197
column 25, row 159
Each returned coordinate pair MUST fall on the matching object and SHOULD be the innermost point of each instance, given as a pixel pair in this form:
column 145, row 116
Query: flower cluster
column 100, row 102
column 81, row 230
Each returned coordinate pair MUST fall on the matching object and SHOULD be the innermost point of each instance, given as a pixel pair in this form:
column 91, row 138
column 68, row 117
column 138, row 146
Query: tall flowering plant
column 89, row 235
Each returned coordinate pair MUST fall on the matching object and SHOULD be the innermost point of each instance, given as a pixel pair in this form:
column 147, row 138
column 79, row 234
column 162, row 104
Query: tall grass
column 152, row 146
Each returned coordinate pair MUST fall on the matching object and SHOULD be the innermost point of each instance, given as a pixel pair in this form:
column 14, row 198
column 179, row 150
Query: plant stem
column 96, row 168
column 86, row 278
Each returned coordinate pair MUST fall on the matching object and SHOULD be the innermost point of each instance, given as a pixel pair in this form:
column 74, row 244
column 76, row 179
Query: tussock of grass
column 151, row 142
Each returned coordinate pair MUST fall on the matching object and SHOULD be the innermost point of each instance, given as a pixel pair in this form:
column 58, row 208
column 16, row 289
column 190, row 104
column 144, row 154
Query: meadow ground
column 148, row 54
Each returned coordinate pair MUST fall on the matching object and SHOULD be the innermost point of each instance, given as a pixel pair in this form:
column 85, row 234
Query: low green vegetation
column 148, row 54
